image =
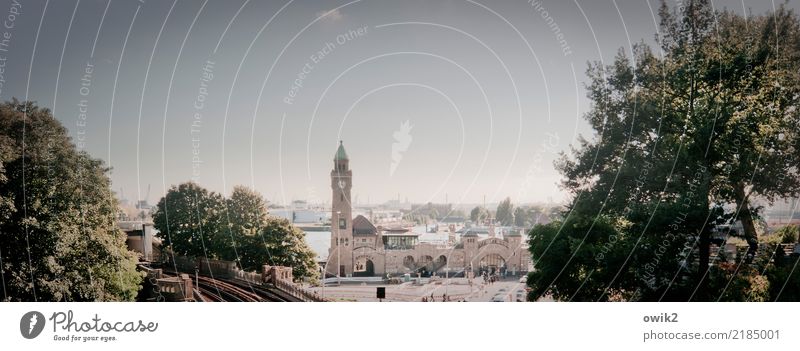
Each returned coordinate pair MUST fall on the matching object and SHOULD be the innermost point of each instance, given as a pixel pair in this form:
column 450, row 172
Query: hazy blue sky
column 491, row 92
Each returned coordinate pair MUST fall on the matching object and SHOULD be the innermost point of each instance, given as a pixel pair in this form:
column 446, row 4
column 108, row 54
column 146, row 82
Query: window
column 342, row 223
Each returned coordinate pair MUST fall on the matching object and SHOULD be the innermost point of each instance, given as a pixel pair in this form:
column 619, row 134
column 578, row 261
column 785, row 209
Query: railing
column 298, row 292
column 227, row 269
column 250, row 277
column 284, row 286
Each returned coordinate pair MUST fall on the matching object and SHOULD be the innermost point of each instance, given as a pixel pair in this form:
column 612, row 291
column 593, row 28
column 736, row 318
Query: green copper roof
column 340, row 153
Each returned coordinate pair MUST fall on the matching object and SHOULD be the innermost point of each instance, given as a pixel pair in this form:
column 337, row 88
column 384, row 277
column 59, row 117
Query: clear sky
column 260, row 92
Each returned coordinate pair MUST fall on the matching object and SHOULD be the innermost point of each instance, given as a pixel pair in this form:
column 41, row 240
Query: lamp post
column 338, row 247
column 446, row 278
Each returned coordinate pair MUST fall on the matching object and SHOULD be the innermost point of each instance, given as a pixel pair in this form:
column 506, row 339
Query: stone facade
column 361, row 252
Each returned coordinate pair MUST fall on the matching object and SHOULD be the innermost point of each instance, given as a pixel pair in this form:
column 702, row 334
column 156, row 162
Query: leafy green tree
column 737, row 283
column 736, row 83
column 246, row 216
column 528, row 216
column 58, row 236
column 521, row 217
column 562, row 251
column 478, row 214
column 787, row 234
column 195, row 222
column 189, row 220
column 708, row 122
column 505, row 212
column 784, row 280
column 282, row 244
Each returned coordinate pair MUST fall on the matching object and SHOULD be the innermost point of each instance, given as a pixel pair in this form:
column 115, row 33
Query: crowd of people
column 490, row 278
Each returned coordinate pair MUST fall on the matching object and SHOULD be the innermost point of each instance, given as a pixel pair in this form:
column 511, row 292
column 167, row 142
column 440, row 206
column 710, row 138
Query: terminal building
column 359, row 248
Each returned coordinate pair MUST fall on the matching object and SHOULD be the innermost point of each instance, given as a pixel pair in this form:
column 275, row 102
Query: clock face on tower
column 342, row 183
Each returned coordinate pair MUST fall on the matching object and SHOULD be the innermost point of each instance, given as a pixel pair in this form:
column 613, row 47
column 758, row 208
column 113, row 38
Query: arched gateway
column 364, row 267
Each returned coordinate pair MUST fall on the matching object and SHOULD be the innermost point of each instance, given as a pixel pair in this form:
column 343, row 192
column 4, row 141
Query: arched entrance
column 492, row 263
column 408, row 262
column 425, row 265
column 363, row 267
column 440, row 263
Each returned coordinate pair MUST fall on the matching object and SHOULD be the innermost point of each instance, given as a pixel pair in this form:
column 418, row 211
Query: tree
column 521, row 217
column 282, row 244
column 742, row 99
column 784, row 281
column 196, row 222
column 505, row 212
column 189, row 220
column 58, row 236
column 246, row 216
column 478, row 214
column 528, row 216
column 787, row 234
column 683, row 141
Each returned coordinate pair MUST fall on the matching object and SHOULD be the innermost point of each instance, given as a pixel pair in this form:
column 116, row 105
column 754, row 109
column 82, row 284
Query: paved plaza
column 457, row 289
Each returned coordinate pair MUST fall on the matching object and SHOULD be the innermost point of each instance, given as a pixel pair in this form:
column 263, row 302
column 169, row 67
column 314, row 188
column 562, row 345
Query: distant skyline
column 432, row 99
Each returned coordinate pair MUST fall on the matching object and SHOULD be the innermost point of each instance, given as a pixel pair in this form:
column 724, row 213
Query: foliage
column 478, row 214
column 528, row 216
column 684, row 139
column 574, row 259
column 284, row 245
column 787, row 234
column 505, row 212
column 261, row 239
column 58, row 238
column 195, row 222
column 189, row 219
column 746, row 284
column 785, row 280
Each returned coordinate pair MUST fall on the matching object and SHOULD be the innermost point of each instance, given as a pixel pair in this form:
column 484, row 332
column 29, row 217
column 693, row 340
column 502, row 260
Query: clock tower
column 340, row 255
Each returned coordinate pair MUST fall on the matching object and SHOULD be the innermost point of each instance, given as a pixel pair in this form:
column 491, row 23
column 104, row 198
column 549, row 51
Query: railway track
column 268, row 294
column 208, row 296
column 216, row 290
column 224, row 290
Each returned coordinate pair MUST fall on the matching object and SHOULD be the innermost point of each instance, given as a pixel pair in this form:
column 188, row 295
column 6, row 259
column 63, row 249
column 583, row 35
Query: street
column 455, row 289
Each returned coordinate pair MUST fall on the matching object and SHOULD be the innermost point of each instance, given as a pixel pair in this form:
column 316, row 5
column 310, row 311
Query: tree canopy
column 58, row 236
column 479, row 214
column 684, row 140
column 505, row 212
column 195, row 222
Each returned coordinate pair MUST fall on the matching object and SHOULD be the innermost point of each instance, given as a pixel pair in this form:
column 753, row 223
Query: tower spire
column 341, row 155
column 340, row 255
